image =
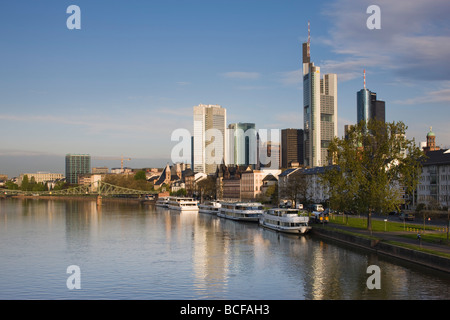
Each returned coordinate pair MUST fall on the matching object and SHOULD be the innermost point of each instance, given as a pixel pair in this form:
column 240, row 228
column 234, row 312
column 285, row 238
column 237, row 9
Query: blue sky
column 124, row 82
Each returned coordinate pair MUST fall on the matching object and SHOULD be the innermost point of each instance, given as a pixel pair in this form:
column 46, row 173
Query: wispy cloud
column 437, row 96
column 130, row 124
column 413, row 42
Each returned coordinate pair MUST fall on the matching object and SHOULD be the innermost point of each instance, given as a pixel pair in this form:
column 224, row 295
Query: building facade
column 41, row 177
column 209, row 139
column 319, row 111
column 291, row 147
column 434, row 181
column 77, row 164
column 100, row 170
column 252, row 182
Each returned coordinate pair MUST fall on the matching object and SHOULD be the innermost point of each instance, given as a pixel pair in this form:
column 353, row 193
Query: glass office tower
column 76, row 165
column 242, row 144
column 363, row 101
column 367, row 105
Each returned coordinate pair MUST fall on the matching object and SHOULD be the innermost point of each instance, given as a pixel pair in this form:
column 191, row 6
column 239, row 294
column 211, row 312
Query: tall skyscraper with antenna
column 367, row 105
column 319, row 110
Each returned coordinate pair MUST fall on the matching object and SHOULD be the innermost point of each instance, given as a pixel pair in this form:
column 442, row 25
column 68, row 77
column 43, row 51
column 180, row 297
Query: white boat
column 183, row 204
column 162, row 202
column 285, row 220
column 211, row 207
column 242, row 211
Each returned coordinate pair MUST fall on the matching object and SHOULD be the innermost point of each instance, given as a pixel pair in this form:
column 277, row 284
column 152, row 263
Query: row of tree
column 30, row 184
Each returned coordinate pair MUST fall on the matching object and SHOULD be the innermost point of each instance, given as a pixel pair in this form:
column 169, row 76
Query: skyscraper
column 367, row 105
column 319, row 110
column 209, row 140
column 242, row 144
column 291, row 147
column 77, row 164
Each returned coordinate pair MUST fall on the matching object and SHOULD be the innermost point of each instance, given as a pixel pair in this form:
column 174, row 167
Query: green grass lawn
column 388, row 226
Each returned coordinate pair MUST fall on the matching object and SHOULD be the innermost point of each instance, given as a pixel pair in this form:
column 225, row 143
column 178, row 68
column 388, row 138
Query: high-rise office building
column 242, row 144
column 270, row 157
column 367, row 105
column 291, row 147
column 76, row 165
column 209, row 140
column 319, row 110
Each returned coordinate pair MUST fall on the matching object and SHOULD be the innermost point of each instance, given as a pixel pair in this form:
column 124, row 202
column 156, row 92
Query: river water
column 133, row 251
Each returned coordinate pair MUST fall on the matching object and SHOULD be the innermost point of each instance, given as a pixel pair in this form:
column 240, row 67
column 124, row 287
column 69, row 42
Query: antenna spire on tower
column 364, row 78
column 309, row 33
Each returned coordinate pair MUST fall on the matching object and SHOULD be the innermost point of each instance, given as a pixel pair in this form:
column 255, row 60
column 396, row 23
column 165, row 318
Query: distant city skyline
column 130, row 76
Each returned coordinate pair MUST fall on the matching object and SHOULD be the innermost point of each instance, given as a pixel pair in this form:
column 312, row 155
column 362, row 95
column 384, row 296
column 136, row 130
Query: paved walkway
column 396, row 236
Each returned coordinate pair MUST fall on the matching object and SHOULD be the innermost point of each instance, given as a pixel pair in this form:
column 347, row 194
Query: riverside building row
column 242, row 182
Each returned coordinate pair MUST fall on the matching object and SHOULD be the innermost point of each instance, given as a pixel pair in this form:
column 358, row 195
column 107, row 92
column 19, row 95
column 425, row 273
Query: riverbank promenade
column 406, row 238
column 426, row 246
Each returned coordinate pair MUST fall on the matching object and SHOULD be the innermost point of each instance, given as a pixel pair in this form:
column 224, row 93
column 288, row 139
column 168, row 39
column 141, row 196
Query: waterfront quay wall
column 381, row 247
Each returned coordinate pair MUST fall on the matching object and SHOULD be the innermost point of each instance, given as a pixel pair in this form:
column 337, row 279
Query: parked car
column 406, row 216
column 319, row 217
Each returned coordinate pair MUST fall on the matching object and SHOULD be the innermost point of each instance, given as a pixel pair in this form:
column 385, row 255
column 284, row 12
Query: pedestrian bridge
column 98, row 188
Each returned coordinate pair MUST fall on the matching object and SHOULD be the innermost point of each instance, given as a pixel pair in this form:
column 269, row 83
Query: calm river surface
column 135, row 251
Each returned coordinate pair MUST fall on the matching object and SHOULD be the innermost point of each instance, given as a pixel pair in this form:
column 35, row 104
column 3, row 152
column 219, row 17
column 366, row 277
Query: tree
column 11, row 185
column 295, row 188
column 25, row 185
column 207, row 187
column 272, row 193
column 373, row 162
column 140, row 175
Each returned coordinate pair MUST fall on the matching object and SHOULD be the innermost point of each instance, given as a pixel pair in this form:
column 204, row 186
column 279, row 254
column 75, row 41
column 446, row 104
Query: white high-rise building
column 319, row 110
column 209, row 139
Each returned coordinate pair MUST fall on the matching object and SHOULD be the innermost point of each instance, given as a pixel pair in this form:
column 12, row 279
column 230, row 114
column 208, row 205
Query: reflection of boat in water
column 148, row 198
column 162, row 202
column 242, row 211
column 211, row 207
column 183, row 204
column 285, row 220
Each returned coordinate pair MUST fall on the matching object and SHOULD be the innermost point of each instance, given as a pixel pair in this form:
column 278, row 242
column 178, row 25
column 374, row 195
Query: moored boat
column 285, row 220
column 211, row 207
column 242, row 211
column 183, row 204
column 162, row 202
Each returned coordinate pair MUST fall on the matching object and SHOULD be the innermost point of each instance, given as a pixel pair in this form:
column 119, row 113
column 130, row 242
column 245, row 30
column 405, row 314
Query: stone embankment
column 380, row 243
